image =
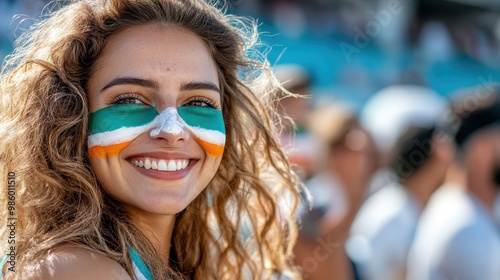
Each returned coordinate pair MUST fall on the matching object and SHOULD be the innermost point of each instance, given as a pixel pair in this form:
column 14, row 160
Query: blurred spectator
column 348, row 160
column 382, row 232
column 390, row 111
column 297, row 80
column 457, row 237
column 295, row 110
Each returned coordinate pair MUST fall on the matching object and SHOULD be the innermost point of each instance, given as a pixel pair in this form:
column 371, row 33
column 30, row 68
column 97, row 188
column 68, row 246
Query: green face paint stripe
column 204, row 117
column 132, row 115
column 117, row 116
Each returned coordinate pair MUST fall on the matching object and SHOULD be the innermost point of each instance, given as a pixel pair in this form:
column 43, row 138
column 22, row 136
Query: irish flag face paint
column 208, row 126
column 114, row 127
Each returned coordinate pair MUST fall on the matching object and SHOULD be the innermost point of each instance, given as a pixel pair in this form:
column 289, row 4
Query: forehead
column 155, row 50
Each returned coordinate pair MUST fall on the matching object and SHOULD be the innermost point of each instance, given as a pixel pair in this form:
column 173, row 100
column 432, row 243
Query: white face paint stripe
column 168, row 121
column 210, row 136
column 121, row 135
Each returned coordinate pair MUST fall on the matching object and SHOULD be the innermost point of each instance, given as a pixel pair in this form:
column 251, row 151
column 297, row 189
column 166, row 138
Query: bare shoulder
column 71, row 262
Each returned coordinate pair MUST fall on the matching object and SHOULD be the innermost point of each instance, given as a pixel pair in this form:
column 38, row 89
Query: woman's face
column 156, row 133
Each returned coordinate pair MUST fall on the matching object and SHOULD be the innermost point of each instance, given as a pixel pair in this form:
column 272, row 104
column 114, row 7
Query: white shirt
column 456, row 239
column 382, row 233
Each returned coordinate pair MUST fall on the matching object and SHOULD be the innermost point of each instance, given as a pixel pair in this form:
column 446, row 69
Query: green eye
column 201, row 102
column 128, row 101
column 128, row 98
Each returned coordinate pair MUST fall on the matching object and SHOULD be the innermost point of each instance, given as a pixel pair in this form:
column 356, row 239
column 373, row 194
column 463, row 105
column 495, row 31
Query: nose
column 169, row 126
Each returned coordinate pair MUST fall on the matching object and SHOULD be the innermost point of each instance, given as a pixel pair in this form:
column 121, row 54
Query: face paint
column 112, row 128
column 207, row 124
column 168, row 121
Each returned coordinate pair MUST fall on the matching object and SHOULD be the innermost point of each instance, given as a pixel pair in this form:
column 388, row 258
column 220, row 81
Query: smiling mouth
column 161, row 164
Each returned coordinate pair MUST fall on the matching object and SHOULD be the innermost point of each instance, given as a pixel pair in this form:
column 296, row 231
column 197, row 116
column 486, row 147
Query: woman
column 140, row 137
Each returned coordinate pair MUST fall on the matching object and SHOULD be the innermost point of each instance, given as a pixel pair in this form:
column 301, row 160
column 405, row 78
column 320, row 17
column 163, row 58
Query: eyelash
column 117, row 100
column 126, row 96
column 208, row 102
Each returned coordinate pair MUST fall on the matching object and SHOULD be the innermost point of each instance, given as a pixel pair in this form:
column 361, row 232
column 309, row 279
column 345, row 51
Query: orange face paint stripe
column 104, row 151
column 210, row 148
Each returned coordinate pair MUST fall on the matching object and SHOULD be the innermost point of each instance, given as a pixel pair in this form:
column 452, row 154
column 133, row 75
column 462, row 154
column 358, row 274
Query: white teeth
column 171, row 165
column 162, row 165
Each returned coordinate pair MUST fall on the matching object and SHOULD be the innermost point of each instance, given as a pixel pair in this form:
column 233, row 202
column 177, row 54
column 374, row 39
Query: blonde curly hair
column 240, row 227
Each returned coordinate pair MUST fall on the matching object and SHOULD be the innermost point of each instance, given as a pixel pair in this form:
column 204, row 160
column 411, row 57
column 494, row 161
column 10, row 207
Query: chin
column 164, row 206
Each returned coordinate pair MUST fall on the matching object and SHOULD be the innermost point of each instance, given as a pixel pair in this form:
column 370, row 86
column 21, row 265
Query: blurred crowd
column 353, row 48
column 395, row 132
column 403, row 175
column 406, row 188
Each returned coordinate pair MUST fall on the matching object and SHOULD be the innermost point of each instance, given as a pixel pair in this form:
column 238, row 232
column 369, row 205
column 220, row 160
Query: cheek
column 209, row 170
column 106, row 151
column 112, row 128
column 102, row 167
column 207, row 124
column 212, row 149
column 112, row 178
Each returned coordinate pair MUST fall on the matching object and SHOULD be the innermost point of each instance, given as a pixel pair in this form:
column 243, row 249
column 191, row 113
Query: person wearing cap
column 390, row 111
column 457, row 237
column 347, row 159
column 416, row 164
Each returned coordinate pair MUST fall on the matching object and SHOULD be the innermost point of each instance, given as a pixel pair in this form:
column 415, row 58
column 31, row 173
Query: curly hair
column 242, row 222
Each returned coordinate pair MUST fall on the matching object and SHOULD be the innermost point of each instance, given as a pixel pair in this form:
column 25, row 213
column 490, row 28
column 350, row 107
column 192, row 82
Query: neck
column 484, row 190
column 423, row 183
column 418, row 191
column 158, row 229
column 456, row 176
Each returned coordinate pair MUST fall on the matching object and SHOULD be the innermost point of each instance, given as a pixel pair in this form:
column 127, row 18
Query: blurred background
column 394, row 87
column 353, row 48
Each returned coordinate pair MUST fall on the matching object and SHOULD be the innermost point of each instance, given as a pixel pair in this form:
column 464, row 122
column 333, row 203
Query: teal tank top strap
column 141, row 270
column 2, row 262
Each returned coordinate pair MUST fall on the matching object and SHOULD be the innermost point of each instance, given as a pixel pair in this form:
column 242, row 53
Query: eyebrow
column 131, row 81
column 153, row 85
column 200, row 86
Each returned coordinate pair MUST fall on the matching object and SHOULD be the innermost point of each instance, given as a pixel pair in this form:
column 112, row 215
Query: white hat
column 393, row 109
